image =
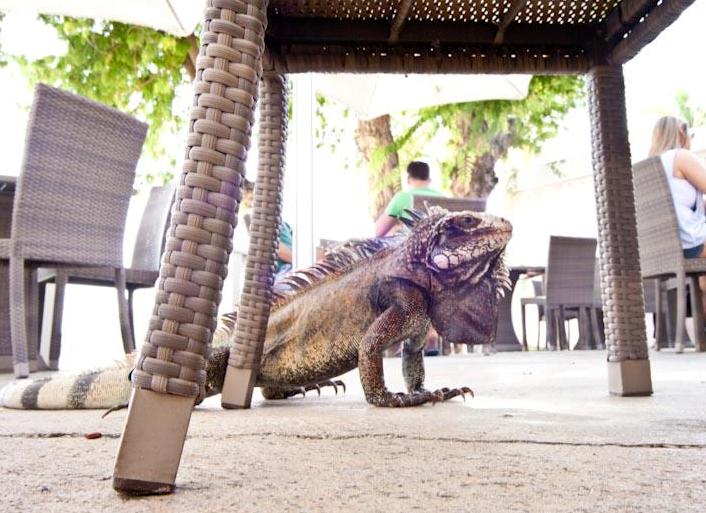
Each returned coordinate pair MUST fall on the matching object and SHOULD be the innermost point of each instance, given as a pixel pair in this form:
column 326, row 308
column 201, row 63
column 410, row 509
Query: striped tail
column 102, row 388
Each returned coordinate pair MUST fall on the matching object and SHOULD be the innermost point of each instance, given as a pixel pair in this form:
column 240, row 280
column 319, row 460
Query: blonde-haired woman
column 686, row 175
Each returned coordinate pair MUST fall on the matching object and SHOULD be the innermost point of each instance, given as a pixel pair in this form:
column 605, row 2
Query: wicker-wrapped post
column 621, row 281
column 170, row 375
column 253, row 312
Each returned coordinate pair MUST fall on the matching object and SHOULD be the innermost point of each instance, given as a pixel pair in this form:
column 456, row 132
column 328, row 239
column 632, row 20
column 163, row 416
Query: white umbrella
column 178, row 17
column 377, row 94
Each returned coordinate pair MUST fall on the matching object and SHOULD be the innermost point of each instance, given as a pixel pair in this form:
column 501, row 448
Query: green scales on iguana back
column 342, row 313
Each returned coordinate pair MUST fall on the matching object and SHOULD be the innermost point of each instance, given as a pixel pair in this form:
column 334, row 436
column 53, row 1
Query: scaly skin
column 349, row 319
column 343, row 313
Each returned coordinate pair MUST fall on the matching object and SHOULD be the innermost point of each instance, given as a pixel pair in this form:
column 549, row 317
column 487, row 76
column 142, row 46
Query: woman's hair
column 669, row 133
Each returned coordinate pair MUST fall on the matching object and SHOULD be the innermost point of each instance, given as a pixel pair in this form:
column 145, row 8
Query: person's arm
column 284, row 253
column 384, row 224
column 691, row 168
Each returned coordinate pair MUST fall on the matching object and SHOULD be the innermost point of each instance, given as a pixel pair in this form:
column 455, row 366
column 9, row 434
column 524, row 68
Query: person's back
column 419, row 182
column 686, row 176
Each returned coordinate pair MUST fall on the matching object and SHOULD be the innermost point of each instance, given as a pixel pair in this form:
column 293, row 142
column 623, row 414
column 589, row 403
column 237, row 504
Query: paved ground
column 542, row 435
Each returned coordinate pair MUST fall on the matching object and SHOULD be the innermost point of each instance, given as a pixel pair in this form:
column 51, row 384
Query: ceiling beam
column 400, row 19
column 655, row 21
column 515, row 7
column 286, row 30
column 626, row 14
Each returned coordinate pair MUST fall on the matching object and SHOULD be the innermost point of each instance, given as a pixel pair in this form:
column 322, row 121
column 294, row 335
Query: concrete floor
column 542, row 435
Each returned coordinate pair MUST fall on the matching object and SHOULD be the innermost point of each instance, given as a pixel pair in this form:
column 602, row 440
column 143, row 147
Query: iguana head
column 461, row 256
column 464, row 247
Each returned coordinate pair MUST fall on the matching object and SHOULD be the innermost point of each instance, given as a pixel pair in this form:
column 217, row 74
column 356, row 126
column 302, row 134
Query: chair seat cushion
column 101, row 276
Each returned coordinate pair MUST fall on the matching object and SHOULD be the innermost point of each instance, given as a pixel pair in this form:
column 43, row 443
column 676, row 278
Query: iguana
column 343, row 312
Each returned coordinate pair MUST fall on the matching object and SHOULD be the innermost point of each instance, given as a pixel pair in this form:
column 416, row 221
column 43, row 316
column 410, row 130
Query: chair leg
column 561, row 328
column 598, row 334
column 524, row 328
column 57, row 316
column 41, row 295
column 660, row 325
column 17, row 318
column 123, row 311
column 584, row 340
column 32, row 316
column 131, row 317
column 550, row 321
column 681, row 315
column 697, row 313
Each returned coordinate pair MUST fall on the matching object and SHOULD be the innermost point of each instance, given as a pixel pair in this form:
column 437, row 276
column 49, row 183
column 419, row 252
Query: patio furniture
column 72, row 197
column 569, row 285
column 591, row 37
column 661, row 253
column 538, row 301
column 143, row 273
column 7, row 194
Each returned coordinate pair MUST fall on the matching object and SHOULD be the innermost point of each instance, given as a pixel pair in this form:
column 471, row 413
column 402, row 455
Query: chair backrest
column 76, row 180
column 570, row 271
column 149, row 243
column 657, row 228
column 450, row 204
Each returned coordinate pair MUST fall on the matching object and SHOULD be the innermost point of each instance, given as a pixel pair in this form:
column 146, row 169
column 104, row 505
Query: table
column 7, row 195
column 505, row 338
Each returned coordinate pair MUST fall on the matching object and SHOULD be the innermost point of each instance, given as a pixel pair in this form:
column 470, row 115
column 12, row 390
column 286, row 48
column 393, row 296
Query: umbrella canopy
column 374, row 95
column 178, row 17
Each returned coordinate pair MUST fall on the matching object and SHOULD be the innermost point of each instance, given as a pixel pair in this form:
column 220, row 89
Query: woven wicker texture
column 264, row 225
column 205, row 211
column 621, row 281
column 75, row 148
column 661, row 254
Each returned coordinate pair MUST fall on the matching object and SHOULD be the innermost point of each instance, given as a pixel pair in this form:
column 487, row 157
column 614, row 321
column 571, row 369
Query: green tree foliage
column 135, row 69
column 692, row 114
column 481, row 132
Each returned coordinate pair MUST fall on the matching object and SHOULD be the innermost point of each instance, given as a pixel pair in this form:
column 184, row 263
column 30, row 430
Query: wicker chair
column 452, row 204
column 72, row 196
column 143, row 273
column 661, row 254
column 569, row 285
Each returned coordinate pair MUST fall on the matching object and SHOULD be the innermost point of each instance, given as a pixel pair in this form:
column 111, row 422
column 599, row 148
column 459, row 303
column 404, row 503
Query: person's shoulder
column 398, row 203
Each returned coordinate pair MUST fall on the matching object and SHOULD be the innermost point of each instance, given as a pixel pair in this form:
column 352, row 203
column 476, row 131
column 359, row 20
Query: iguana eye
column 468, row 222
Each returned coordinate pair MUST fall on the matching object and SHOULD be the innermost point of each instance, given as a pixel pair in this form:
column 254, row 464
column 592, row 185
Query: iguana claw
column 333, row 383
column 397, row 400
column 314, row 387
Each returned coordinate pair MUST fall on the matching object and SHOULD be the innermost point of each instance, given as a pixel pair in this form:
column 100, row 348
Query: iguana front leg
column 413, row 362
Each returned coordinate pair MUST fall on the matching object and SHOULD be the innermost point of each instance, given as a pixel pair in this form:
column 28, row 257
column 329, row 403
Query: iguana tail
column 101, row 388
column 104, row 388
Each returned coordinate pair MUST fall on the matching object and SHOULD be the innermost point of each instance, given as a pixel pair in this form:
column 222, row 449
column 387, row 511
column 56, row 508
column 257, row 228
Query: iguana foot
column 329, row 383
column 285, row 393
column 401, row 400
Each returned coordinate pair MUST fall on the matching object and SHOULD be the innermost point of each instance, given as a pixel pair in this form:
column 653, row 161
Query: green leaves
column 134, row 69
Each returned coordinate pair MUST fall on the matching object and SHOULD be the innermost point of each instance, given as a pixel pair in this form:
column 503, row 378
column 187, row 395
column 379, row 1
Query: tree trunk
column 483, row 177
column 383, row 179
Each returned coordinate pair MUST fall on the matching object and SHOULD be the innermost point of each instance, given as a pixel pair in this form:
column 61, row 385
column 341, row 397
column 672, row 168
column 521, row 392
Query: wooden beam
column 284, row 30
column 400, row 19
column 626, row 14
column 643, row 33
column 514, row 9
